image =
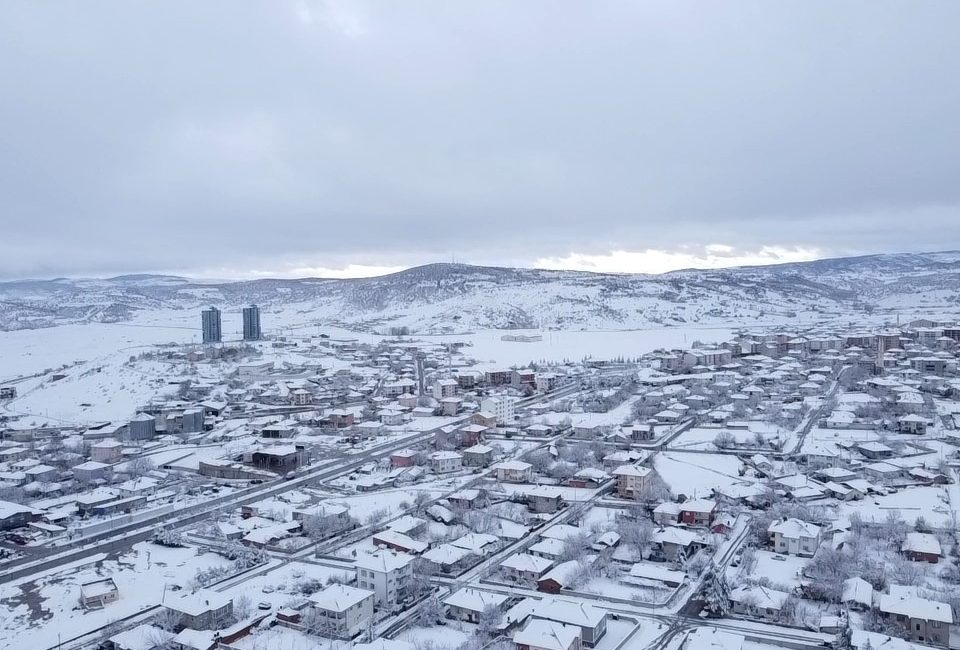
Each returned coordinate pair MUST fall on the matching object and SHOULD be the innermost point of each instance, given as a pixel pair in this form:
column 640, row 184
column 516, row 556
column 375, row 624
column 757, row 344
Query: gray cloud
column 196, row 136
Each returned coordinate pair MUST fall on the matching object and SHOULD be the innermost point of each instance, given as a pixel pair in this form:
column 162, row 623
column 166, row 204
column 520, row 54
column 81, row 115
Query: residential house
column 559, row 577
column 343, row 611
column 927, row 621
column 444, row 462
column 589, row 478
column 922, row 547
column 540, row 634
column 525, row 567
column 477, row 456
column 592, row 621
column 448, row 559
column 471, row 604
column 398, row 541
column 913, row 424
column 667, row 513
column 514, row 471
column 91, row 471
column 467, row 498
column 404, row 458
column 544, row 499
column 387, row 573
column 673, row 543
column 324, row 519
column 202, row 610
column 758, row 602
column 857, row 594
column 698, row 512
column 794, row 537
column 106, row 451
column 632, row 480
column 97, row 594
column 141, row 637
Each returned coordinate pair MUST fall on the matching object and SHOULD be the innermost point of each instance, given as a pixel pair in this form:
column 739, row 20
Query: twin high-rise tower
column 251, row 323
column 213, row 332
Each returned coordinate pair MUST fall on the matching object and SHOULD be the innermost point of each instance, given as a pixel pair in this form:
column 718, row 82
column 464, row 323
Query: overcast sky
column 237, row 139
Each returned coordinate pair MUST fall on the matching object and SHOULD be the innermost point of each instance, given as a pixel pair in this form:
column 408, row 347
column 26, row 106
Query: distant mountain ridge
column 454, row 297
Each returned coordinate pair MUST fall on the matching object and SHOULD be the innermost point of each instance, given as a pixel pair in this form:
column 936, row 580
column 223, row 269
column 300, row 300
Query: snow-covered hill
column 456, row 297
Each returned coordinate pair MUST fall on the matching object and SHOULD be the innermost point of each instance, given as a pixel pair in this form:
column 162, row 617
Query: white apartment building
column 344, row 611
column 443, row 388
column 387, row 574
column 794, row 537
column 501, row 408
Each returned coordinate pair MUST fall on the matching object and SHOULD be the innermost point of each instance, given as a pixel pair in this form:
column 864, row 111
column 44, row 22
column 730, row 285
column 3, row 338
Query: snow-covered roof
column 513, row 465
column 475, row 600
column 904, row 603
column 857, row 590
column 527, row 563
column 383, row 561
column 698, row 505
column 632, row 470
column 339, row 598
column 397, row 539
column 572, row 612
column 142, row 637
column 794, row 528
column 674, row 535
column 199, row 602
column 922, row 543
column 446, row 554
column 475, row 542
column 548, row 546
column 762, row 597
column 547, row 635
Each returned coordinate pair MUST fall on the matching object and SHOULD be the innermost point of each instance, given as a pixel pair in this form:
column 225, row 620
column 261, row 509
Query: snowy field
column 697, row 475
column 931, row 503
column 488, row 348
column 35, row 612
column 701, row 438
column 782, row 570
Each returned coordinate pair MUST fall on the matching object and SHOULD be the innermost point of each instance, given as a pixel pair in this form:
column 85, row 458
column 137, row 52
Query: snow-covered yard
column 697, row 475
column 34, row 612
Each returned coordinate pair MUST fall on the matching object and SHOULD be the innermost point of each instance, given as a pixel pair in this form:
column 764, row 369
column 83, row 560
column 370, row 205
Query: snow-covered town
column 300, row 487
column 479, row 325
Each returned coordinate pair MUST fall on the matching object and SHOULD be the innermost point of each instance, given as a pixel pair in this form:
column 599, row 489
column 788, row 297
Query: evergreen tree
column 716, row 593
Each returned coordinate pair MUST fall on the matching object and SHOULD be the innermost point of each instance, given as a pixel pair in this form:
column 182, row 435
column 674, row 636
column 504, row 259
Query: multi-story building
column 343, row 611
column 501, row 408
column 443, row 462
column 202, row 610
column 387, row 573
column 251, row 323
column 514, row 471
column 794, row 537
column 631, row 480
column 698, row 512
column 443, row 388
column 210, row 319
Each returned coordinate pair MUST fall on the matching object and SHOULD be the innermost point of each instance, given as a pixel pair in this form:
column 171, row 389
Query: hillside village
column 791, row 488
